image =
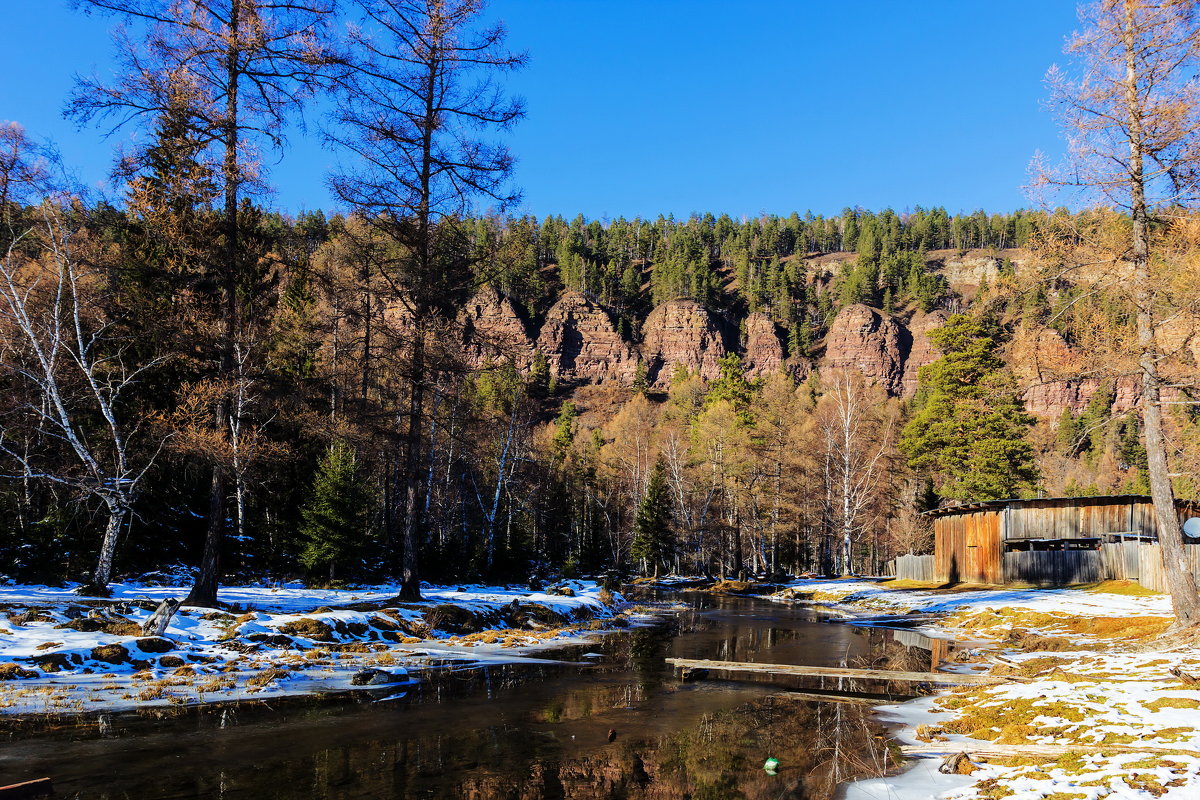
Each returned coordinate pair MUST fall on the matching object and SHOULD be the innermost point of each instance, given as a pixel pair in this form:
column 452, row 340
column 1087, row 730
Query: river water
column 626, row 727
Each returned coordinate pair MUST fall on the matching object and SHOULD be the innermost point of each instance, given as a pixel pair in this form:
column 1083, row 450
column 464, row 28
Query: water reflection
column 522, row 733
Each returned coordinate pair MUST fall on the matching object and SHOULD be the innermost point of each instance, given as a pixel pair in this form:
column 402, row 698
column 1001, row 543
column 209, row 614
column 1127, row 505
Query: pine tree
column 970, row 432
column 334, row 520
column 652, row 526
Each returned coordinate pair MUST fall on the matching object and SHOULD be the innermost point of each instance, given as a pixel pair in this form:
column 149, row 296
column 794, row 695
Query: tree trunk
column 1180, row 581
column 204, row 590
column 410, row 584
column 108, row 547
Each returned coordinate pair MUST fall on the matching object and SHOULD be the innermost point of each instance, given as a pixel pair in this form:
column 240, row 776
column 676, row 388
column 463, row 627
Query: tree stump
column 161, row 618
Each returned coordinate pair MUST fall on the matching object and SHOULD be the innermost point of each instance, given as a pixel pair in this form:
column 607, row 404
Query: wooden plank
column 845, row 699
column 842, row 672
column 29, row 789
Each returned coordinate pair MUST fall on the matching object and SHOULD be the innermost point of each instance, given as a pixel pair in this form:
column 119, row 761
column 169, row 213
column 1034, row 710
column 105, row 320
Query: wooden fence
column 1150, row 565
column 915, row 568
column 1053, row 568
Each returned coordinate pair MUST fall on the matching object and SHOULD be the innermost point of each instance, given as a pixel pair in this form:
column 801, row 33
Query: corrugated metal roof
column 980, row 505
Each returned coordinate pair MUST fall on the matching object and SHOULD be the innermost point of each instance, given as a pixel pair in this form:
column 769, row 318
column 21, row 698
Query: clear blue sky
column 641, row 107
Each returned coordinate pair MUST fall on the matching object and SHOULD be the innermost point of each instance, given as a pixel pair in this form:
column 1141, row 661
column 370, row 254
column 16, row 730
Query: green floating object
column 771, row 765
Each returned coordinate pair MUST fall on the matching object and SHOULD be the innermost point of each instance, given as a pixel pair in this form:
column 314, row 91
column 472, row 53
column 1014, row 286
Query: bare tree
column 232, row 71
column 1132, row 116
column 857, row 433
column 415, row 110
column 65, row 353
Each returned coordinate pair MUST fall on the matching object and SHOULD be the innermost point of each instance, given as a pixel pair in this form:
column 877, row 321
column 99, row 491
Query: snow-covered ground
column 877, row 596
column 1124, row 727
column 63, row 653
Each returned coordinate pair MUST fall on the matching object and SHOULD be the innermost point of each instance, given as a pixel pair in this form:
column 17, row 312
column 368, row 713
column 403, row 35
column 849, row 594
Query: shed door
column 983, row 547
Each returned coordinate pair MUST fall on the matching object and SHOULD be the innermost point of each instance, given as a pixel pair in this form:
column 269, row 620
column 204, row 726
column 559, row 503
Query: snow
column 876, row 595
column 1101, row 692
column 274, row 640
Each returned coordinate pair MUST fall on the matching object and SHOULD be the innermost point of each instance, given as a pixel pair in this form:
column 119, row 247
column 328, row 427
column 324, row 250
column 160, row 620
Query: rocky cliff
column 869, row 342
column 1048, row 400
column 762, row 352
column 493, row 332
column 681, row 333
column 581, row 343
column 922, row 351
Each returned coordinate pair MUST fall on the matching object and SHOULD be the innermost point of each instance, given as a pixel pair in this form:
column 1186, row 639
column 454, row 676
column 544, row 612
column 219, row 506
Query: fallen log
column 948, row 678
column 27, row 790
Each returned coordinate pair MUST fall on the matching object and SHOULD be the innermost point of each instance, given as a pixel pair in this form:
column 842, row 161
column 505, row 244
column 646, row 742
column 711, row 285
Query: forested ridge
column 194, row 379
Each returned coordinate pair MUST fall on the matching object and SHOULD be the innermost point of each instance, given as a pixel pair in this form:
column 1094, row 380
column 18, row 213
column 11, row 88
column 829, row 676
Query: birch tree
column 64, row 352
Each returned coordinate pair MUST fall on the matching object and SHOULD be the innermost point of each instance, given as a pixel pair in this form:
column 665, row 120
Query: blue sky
column 641, row 107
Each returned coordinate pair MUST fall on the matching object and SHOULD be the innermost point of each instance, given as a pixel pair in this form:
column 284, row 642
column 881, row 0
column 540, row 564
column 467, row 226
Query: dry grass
column 1014, row 622
column 1172, row 702
column 1129, row 588
column 216, row 684
column 309, row 628
column 904, row 583
column 11, row 671
column 267, row 676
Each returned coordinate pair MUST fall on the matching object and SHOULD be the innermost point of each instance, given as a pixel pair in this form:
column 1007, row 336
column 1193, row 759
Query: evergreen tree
column 652, row 526
column 334, row 520
column 970, row 430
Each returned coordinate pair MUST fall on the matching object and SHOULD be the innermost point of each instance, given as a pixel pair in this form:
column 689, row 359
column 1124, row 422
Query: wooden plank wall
column 967, row 547
column 1047, row 520
column 1122, row 560
column 1053, row 568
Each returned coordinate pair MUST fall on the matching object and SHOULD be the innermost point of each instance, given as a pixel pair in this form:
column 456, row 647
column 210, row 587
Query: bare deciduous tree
column 231, row 71
column 415, row 110
column 1132, row 116
column 64, row 349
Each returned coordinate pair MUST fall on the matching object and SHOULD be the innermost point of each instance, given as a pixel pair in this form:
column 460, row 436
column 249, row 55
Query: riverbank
column 1107, row 707
column 65, row 653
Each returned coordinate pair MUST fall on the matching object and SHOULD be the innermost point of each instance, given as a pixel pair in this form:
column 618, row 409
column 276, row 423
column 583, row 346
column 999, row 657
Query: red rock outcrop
column 872, row 343
column 1048, row 400
column 581, row 343
column 922, row 351
column 493, row 331
column 681, row 333
column 762, row 352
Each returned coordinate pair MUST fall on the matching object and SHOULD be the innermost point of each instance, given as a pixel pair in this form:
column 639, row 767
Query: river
column 624, row 727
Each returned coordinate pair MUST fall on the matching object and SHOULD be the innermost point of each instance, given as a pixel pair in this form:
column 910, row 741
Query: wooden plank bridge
column 798, row 670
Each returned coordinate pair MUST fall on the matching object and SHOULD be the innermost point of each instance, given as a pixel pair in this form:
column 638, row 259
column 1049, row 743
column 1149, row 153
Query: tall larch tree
column 420, row 111
column 231, row 72
column 1130, row 106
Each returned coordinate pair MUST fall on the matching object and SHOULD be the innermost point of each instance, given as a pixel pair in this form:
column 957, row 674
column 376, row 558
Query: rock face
column 922, row 351
column 865, row 340
column 681, row 333
column 493, row 331
column 1048, row 400
column 762, row 351
column 582, row 345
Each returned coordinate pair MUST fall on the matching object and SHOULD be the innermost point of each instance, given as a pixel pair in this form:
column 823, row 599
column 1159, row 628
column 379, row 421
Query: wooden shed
column 1050, row 540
